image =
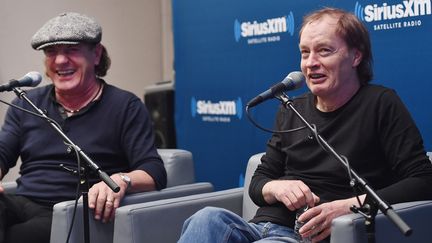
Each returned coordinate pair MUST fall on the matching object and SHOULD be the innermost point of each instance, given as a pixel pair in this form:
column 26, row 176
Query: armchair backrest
column 249, row 207
column 179, row 166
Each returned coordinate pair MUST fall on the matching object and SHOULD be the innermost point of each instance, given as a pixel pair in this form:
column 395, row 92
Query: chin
column 65, row 86
column 318, row 91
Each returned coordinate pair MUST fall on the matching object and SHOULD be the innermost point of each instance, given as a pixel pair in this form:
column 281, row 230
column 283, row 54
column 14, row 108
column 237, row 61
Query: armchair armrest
column 162, row 221
column 9, row 186
column 351, row 229
column 99, row 232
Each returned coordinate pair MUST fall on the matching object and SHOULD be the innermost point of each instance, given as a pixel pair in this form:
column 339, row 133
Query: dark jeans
column 22, row 220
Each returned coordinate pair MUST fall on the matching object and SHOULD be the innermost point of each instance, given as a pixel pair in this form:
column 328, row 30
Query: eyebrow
column 318, row 45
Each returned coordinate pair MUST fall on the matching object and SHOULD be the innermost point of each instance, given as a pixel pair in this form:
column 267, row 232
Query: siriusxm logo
column 410, row 8
column 272, row 26
column 219, row 111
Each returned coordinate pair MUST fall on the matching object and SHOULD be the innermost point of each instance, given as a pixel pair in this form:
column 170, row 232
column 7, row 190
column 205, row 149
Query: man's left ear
column 358, row 56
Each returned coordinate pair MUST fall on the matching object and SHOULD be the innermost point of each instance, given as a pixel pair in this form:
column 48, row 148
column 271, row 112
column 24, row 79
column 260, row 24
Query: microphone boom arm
column 103, row 175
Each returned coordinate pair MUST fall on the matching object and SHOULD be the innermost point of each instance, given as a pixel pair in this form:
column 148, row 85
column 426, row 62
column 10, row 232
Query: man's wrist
column 125, row 178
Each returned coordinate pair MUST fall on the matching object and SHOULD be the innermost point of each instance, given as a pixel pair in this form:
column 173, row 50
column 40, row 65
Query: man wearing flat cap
column 111, row 125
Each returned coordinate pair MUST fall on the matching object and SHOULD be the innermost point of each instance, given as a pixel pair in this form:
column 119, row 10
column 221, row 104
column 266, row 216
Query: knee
column 209, row 211
column 206, row 214
column 211, row 216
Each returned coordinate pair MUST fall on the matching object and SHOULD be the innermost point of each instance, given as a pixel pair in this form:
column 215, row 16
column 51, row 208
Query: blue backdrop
column 226, row 52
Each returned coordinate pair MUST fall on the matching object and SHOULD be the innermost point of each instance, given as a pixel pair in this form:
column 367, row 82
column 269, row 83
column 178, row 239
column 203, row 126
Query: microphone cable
column 77, row 192
column 30, row 112
column 77, row 196
column 316, row 137
column 267, row 129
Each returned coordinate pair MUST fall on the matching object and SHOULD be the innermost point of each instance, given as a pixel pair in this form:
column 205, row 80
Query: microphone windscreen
column 32, row 79
column 298, row 78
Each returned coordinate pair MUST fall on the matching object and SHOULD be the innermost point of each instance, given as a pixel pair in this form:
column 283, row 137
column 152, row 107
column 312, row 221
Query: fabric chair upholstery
column 249, row 208
column 179, row 166
column 162, row 221
column 131, row 225
column 351, row 228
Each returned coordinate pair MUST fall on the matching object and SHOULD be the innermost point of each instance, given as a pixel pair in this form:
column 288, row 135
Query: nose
column 60, row 58
column 312, row 61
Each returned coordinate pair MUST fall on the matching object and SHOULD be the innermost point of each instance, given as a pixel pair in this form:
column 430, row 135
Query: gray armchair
column 181, row 182
column 132, row 221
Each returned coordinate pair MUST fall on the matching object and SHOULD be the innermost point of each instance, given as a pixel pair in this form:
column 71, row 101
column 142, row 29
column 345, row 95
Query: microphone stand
column 83, row 172
column 366, row 210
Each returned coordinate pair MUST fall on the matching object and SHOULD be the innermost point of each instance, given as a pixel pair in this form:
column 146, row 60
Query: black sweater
column 373, row 130
column 115, row 132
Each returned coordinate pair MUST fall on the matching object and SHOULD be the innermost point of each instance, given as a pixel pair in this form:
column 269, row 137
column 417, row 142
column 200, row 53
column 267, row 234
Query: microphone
column 31, row 79
column 293, row 81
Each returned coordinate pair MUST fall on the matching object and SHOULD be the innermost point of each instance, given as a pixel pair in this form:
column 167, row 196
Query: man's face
column 71, row 67
column 326, row 61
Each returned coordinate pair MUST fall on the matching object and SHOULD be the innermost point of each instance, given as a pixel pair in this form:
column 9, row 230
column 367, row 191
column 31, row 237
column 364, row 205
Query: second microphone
column 292, row 81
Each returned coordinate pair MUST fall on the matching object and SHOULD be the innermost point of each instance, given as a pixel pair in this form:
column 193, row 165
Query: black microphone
column 31, row 79
column 293, row 81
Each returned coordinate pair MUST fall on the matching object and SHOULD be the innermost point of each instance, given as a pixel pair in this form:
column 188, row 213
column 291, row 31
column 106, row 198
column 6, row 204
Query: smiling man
column 111, row 125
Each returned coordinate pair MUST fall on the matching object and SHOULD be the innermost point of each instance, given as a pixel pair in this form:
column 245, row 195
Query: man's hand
column 104, row 201
column 319, row 218
column 293, row 193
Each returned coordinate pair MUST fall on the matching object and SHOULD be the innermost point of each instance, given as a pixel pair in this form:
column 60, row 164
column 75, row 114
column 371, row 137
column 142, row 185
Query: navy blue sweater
column 115, row 132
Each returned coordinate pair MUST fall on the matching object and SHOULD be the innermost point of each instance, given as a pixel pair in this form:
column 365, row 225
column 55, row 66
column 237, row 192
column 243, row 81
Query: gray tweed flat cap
column 67, row 28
